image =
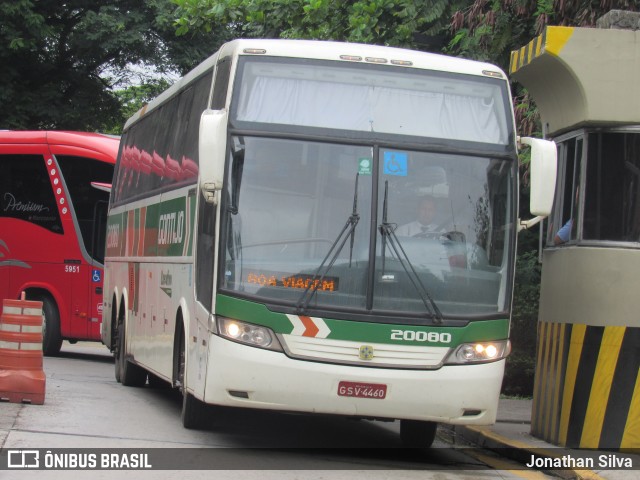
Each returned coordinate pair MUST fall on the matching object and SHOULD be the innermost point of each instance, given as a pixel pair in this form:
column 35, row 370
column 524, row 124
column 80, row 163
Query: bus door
column 86, row 274
column 97, row 267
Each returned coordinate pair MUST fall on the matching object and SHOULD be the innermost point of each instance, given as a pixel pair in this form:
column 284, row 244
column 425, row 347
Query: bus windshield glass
column 330, row 226
column 373, row 98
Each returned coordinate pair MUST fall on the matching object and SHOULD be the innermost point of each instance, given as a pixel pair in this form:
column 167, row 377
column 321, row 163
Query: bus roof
column 330, row 50
column 327, row 50
column 66, row 142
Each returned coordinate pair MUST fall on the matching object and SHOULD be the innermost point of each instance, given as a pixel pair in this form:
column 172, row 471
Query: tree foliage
column 131, row 99
column 407, row 23
column 61, row 60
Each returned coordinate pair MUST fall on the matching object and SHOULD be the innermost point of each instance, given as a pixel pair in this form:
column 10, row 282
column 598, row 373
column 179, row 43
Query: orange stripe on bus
column 311, row 329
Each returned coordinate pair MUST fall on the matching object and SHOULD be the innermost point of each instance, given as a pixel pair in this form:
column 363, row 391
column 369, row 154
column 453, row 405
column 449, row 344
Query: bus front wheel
column 194, row 411
column 51, row 337
column 194, row 414
column 417, row 434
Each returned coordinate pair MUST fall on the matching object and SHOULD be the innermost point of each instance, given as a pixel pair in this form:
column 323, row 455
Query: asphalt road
column 85, row 408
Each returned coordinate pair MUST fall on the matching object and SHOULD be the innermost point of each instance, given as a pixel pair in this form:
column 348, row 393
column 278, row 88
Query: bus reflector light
column 375, row 60
column 492, row 73
column 404, row 63
column 351, row 58
column 248, row 334
column 255, row 51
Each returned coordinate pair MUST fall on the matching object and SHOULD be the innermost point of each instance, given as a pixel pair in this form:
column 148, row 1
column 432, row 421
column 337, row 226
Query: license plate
column 362, row 390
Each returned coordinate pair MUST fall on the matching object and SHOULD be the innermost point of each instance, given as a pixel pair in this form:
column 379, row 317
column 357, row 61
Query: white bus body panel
column 441, row 395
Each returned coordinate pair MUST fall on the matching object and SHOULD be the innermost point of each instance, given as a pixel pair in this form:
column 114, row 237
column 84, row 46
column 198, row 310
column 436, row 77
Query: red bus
column 53, row 206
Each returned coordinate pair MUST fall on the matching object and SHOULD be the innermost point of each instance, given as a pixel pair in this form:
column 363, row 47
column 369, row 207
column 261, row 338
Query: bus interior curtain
column 372, row 108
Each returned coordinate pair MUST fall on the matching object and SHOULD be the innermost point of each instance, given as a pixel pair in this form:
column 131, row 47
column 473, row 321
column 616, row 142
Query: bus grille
column 349, row 353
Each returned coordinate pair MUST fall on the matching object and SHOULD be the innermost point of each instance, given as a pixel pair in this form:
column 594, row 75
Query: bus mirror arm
column 527, row 224
column 209, row 192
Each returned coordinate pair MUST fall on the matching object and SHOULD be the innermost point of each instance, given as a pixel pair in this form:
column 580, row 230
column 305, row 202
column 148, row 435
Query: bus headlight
column 480, row 352
column 248, row 334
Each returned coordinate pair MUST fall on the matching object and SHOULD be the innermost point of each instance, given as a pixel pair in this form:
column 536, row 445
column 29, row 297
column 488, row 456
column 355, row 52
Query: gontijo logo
column 171, row 228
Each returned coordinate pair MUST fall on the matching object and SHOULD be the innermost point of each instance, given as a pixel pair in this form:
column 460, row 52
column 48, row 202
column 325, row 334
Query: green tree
column 61, row 60
column 407, row 23
column 131, row 99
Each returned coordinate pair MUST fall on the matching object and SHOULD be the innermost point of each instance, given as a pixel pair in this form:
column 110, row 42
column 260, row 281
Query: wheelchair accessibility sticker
column 396, row 163
column 96, row 276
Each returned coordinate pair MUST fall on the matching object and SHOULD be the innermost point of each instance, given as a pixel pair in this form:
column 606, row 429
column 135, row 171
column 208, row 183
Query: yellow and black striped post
column 587, row 387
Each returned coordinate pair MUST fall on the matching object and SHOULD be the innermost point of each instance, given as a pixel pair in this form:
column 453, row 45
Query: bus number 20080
column 420, row 336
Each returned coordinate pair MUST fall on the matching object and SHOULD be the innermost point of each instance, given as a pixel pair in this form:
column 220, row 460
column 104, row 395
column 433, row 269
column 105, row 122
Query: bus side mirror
column 543, row 170
column 212, row 152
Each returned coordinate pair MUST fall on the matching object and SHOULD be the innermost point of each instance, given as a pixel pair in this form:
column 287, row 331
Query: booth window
column 567, row 203
column 612, row 195
column 600, row 193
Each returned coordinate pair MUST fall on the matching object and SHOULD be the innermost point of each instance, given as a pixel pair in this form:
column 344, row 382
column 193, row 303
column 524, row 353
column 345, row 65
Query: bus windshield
column 288, row 203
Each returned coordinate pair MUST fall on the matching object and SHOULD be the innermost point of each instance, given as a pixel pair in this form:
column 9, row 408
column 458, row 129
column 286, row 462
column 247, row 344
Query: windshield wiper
column 332, row 255
column 387, row 230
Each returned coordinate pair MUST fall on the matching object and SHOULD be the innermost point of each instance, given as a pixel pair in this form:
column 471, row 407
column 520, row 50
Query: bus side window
column 26, row 192
column 205, row 252
column 221, row 85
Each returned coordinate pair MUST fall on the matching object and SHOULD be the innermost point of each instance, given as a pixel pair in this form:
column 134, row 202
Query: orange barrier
column 22, row 378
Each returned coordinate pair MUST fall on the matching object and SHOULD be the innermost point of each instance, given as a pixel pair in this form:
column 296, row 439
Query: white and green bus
column 255, row 255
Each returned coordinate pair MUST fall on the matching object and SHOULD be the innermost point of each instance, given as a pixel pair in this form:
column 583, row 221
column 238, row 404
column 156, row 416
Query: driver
column 424, row 225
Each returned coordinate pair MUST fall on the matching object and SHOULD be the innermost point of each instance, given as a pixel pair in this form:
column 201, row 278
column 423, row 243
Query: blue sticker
column 396, row 163
column 96, row 276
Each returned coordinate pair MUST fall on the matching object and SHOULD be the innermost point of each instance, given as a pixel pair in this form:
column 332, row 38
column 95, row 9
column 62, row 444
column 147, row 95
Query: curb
column 518, row 451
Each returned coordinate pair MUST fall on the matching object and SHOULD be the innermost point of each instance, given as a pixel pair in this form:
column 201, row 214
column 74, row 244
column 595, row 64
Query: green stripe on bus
column 257, row 313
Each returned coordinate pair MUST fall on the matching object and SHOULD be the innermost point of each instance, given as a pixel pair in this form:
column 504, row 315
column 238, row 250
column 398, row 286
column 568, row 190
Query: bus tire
column 115, row 346
column 116, row 356
column 51, row 337
column 194, row 411
column 417, row 434
column 131, row 375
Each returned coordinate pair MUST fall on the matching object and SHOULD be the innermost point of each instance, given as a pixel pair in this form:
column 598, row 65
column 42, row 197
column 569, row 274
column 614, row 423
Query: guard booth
column 586, row 83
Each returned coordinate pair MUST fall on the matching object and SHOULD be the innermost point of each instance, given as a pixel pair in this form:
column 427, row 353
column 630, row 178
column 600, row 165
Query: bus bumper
column 243, row 376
